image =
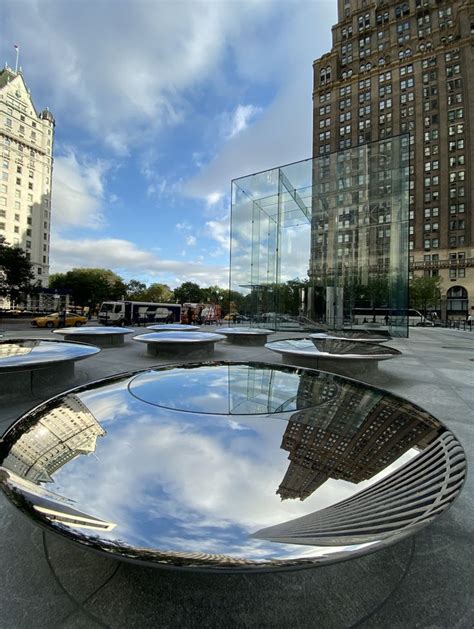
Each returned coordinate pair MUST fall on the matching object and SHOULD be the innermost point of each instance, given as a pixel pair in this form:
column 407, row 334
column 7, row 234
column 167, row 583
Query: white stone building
column 26, row 164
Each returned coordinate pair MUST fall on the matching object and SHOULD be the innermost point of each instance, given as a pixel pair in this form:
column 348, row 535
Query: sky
column 159, row 104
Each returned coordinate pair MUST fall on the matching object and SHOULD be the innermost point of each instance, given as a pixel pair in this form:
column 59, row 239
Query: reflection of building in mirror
column 274, row 391
column 352, row 440
column 51, row 505
column 66, row 431
column 7, row 350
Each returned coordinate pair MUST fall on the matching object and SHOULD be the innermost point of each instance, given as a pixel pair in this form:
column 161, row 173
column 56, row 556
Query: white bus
column 138, row 313
column 378, row 315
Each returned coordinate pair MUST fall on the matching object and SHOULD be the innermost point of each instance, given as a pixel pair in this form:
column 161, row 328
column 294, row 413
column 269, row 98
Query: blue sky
column 158, row 105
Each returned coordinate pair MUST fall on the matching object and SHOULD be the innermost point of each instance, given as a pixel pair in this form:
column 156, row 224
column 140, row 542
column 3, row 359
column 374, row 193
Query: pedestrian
column 469, row 321
column 62, row 318
column 387, row 319
column 190, row 316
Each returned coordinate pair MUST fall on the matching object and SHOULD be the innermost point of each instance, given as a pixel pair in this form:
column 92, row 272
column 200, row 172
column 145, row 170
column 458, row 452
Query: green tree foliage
column 90, row 286
column 15, row 272
column 138, row 291
column 425, row 292
column 189, row 292
column 159, row 293
column 134, row 290
column 290, row 297
column 213, row 295
column 377, row 291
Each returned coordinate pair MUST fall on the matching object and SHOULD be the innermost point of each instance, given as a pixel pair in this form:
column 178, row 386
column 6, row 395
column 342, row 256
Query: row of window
column 21, row 129
column 400, row 11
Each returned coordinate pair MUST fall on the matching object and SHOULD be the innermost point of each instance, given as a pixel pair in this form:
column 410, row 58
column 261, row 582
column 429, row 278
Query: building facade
column 400, row 68
column 353, row 440
column 26, row 142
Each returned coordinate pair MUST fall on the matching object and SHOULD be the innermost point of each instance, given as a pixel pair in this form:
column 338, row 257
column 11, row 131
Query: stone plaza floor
column 424, row 581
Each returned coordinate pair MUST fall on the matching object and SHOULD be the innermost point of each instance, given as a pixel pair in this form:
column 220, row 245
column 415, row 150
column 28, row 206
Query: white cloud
column 191, row 241
column 282, row 133
column 241, row 118
column 128, row 260
column 183, row 226
column 78, row 191
column 126, row 73
column 213, row 198
column 219, row 230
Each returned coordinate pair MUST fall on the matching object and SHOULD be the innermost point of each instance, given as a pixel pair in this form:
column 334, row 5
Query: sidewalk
column 424, row 581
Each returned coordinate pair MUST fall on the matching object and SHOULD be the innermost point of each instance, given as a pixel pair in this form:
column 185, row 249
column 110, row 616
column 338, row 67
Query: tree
column 425, row 292
column 134, row 290
column 158, row 293
column 212, row 294
column 90, row 286
column 377, row 291
column 189, row 292
column 15, row 272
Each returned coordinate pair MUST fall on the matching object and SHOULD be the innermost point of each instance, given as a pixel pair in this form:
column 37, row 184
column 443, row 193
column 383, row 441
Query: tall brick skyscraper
column 408, row 67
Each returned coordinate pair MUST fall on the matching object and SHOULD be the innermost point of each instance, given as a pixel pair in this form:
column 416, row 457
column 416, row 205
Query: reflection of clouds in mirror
column 234, row 389
column 208, row 482
column 333, row 348
column 18, row 352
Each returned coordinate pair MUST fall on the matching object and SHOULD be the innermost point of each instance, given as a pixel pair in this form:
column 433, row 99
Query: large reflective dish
column 334, row 349
column 99, row 330
column 21, row 354
column 244, row 330
column 356, row 336
column 236, row 466
column 244, row 335
column 172, row 327
column 178, row 337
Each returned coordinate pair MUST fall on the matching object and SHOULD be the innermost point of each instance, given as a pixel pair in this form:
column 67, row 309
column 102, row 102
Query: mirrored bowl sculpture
column 32, row 365
column 231, row 467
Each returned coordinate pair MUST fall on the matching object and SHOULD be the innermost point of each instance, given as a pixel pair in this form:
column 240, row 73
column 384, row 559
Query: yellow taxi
column 232, row 316
column 53, row 320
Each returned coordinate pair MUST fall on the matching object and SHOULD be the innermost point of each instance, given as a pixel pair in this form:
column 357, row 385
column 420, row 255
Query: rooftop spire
column 17, row 48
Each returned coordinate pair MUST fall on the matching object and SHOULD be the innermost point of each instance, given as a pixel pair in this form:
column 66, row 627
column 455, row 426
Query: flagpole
column 17, row 48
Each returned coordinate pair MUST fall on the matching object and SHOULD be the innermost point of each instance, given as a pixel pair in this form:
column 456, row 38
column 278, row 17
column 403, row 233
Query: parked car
column 242, row 318
column 53, row 320
column 232, row 316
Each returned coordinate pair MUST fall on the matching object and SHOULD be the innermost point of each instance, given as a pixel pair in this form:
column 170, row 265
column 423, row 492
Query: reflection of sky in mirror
column 187, row 482
column 177, row 336
column 94, row 329
column 332, row 348
column 233, row 389
column 30, row 352
column 192, row 481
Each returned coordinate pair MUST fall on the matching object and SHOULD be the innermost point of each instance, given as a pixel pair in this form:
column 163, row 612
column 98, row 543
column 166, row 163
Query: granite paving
column 425, row 581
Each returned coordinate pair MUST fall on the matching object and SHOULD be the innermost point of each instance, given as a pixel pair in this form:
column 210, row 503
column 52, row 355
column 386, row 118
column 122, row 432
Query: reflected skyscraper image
column 352, row 440
column 63, row 433
column 8, row 350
